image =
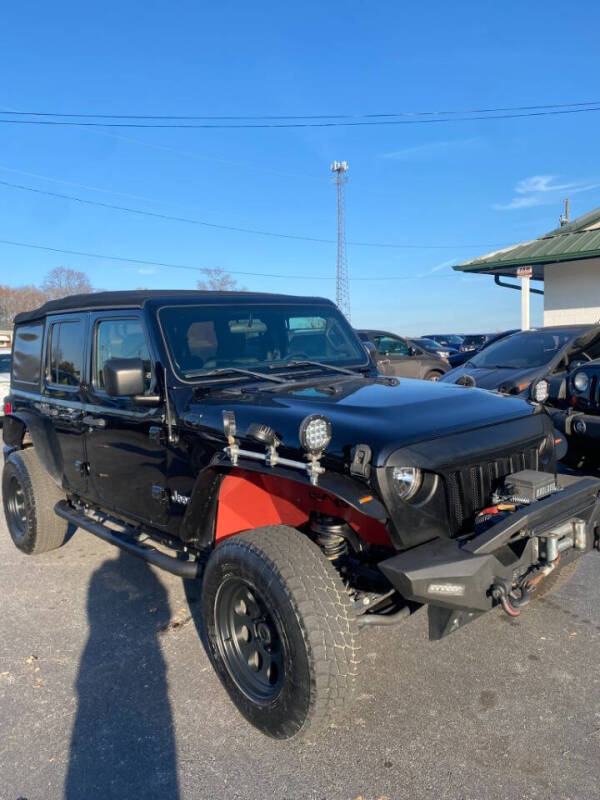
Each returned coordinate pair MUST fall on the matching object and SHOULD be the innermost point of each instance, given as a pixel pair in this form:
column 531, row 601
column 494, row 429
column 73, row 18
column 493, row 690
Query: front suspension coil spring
column 329, row 535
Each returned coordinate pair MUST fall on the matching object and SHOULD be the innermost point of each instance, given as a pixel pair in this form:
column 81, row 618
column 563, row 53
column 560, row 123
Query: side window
column 120, row 338
column 390, row 345
column 65, row 353
column 27, row 354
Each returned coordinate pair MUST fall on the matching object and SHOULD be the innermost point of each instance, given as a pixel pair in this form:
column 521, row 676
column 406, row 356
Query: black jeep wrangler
column 247, row 440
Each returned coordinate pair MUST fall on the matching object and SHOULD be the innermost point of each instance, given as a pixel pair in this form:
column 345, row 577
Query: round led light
column 407, row 481
column 229, row 426
column 540, row 391
column 315, row 433
column 581, row 381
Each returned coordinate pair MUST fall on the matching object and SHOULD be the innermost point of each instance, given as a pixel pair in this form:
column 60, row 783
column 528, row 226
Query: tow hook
column 510, row 602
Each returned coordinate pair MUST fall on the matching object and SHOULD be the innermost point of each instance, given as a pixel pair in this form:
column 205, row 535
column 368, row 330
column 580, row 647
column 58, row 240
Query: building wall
column 572, row 292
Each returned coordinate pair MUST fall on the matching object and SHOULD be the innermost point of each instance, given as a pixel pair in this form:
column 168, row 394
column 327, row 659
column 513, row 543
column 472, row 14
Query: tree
column 15, row 299
column 61, row 281
column 217, row 280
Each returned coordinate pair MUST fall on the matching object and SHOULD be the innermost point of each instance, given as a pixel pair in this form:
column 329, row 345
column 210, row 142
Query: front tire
column 29, row 495
column 556, row 580
column 280, row 629
column 433, row 375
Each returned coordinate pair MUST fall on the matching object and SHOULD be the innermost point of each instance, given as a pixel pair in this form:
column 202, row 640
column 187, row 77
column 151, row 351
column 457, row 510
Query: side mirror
column 412, row 351
column 124, row 377
column 370, row 348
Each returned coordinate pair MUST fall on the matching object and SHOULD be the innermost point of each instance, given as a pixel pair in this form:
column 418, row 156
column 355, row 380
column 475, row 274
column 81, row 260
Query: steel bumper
column 456, row 576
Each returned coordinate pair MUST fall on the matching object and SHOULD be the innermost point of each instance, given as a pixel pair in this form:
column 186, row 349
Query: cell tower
column 342, row 284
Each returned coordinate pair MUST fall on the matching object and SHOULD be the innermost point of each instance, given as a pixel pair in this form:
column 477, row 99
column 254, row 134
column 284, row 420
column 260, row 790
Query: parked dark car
column 456, row 359
column 432, row 347
column 574, row 405
column 247, row 442
column 474, row 341
column 396, row 356
column 511, row 364
column 445, row 339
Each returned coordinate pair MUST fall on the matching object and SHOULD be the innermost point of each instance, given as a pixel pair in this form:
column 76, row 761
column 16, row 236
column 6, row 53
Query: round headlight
column 581, row 381
column 407, row 481
column 315, row 433
column 540, row 391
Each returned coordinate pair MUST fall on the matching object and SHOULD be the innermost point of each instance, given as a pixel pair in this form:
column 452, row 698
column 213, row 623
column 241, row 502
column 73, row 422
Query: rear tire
column 280, row 629
column 29, row 495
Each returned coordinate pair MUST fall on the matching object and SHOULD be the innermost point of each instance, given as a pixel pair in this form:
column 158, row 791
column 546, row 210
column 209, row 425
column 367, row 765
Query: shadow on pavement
column 123, row 743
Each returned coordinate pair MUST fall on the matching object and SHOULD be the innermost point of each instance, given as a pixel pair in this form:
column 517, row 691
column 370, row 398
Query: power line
column 167, row 265
column 79, row 115
column 322, row 124
column 192, row 221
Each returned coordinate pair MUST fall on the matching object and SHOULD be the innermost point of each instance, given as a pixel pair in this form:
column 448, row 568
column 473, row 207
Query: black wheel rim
column 249, row 640
column 15, row 508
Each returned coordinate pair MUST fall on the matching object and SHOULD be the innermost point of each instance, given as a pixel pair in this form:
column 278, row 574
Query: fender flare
column 199, row 521
column 42, row 436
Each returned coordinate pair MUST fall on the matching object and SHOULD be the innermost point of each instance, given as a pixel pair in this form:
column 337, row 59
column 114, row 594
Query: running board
column 184, row 569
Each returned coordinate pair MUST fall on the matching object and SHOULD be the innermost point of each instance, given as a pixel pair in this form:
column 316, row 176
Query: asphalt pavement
column 106, row 692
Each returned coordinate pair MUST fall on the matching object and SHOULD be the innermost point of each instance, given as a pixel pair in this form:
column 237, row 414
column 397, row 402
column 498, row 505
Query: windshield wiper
column 331, row 367
column 234, row 372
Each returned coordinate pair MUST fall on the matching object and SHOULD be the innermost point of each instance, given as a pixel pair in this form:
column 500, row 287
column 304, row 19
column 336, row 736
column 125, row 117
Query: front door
column 394, row 357
column 125, row 442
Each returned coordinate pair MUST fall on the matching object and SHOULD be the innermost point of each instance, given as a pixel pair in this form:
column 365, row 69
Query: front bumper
column 456, row 577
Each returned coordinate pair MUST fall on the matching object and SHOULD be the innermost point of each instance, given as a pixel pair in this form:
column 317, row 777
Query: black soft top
column 158, row 297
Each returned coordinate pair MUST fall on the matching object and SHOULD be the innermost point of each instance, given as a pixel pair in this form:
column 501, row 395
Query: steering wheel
column 295, row 357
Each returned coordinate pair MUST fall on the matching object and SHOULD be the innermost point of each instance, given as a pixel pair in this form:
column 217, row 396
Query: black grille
column 470, row 489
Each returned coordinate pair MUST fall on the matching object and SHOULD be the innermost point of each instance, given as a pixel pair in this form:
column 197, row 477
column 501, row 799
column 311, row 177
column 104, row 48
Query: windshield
column 203, row 338
column 5, row 363
column 428, row 344
column 523, row 350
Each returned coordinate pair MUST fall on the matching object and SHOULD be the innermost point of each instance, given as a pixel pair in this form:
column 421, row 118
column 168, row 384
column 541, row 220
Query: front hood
column 492, row 378
column 361, row 411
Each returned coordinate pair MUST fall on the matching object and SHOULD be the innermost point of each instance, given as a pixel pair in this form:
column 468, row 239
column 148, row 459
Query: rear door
column 125, row 442
column 63, row 394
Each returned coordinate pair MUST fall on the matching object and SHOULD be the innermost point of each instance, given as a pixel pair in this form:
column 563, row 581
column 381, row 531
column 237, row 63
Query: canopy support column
column 525, row 305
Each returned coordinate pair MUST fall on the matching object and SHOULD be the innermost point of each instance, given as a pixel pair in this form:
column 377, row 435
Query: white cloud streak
column 541, row 190
column 430, row 150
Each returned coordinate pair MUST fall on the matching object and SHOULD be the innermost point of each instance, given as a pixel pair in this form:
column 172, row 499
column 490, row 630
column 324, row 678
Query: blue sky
column 482, row 183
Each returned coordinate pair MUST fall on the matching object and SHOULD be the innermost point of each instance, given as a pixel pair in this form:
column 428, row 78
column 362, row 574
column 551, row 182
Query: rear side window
column 65, row 351
column 27, row 354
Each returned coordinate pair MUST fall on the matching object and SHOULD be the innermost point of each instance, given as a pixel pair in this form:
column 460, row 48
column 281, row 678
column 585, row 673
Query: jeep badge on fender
column 247, row 441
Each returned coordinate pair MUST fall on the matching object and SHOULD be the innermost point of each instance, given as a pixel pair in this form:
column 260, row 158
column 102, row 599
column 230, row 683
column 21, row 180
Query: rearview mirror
column 124, row 377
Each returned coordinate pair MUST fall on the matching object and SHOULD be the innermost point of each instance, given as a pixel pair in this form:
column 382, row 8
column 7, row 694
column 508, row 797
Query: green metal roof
column 572, row 242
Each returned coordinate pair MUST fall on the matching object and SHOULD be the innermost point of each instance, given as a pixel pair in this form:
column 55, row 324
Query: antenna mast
column 342, row 284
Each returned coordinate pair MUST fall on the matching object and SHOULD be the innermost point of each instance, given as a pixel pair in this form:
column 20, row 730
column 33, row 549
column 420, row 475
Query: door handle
column 94, row 422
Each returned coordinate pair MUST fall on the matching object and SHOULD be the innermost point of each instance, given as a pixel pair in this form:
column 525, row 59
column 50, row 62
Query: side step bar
column 185, row 569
